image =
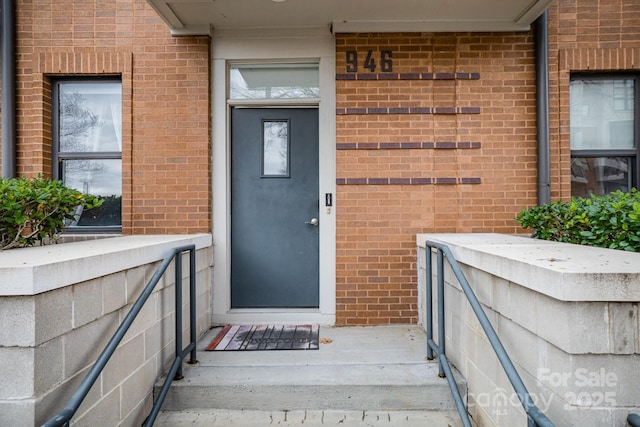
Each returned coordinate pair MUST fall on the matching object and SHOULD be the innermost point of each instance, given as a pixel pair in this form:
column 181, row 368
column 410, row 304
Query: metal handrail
column 63, row 417
column 535, row 417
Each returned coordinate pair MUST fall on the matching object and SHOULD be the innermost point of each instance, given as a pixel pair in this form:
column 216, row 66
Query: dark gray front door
column 274, row 208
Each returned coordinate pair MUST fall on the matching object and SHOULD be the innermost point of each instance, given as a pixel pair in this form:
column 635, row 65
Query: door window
column 275, row 148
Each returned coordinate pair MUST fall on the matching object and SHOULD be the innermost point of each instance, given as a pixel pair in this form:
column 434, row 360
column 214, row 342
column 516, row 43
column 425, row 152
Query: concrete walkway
column 360, row 376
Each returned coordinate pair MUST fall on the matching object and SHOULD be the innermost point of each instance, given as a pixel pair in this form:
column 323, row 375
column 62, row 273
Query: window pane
column 90, row 117
column 602, row 114
column 110, row 213
column 275, row 148
column 600, row 175
column 274, row 81
column 99, row 178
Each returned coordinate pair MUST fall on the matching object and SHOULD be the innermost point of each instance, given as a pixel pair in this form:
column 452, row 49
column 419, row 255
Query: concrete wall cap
column 563, row 271
column 30, row 271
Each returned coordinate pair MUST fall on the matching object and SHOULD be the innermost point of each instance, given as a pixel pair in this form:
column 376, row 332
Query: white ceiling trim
column 193, row 30
column 537, row 8
column 198, row 17
column 426, row 26
column 167, row 14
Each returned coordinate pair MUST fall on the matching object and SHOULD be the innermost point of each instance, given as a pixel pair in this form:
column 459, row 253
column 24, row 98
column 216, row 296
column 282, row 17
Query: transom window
column 604, row 133
column 87, row 141
column 273, row 81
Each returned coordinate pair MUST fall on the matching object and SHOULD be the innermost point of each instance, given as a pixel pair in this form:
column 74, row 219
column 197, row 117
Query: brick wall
column 446, row 142
column 166, row 104
column 443, row 142
column 589, row 36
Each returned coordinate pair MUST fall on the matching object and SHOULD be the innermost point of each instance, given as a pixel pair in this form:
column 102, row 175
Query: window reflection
column 600, row 175
column 97, row 177
column 601, row 114
column 89, row 147
column 101, row 178
column 90, row 117
column 603, row 134
column 275, row 149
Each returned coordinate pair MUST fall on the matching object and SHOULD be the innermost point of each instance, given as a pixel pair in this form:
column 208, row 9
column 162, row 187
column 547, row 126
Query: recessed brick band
column 409, row 76
column 407, row 110
column 407, row 181
column 406, row 145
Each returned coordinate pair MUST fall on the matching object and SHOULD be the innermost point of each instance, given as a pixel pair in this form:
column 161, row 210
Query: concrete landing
column 363, row 375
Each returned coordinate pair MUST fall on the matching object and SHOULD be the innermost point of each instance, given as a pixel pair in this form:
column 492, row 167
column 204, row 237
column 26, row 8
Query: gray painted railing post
column 178, row 290
column 429, row 292
column 192, row 303
column 175, row 372
column 441, row 339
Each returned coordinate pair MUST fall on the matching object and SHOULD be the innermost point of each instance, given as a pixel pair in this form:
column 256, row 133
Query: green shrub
column 33, row 211
column 611, row 221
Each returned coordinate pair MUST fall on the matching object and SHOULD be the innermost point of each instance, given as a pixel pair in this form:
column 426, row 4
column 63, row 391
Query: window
column 604, row 133
column 275, row 148
column 87, row 141
column 274, row 81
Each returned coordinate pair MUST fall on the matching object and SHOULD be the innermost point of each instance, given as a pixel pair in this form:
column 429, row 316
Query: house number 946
column 371, row 62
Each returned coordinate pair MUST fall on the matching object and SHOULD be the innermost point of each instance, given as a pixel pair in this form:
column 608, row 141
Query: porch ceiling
column 197, row 17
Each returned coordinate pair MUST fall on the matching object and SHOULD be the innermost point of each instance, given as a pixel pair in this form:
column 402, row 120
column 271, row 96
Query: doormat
column 263, row 337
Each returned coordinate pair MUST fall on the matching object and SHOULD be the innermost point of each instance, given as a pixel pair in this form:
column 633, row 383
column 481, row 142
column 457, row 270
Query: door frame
column 269, row 46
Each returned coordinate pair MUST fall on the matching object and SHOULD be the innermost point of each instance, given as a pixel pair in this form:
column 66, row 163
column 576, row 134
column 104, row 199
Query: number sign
column 371, row 62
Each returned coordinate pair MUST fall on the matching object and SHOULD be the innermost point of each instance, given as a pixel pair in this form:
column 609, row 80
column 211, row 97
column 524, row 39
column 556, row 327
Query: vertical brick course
column 166, row 104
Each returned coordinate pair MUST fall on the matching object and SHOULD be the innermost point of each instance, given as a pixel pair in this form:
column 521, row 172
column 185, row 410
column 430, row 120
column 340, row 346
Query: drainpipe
column 8, row 46
column 542, row 108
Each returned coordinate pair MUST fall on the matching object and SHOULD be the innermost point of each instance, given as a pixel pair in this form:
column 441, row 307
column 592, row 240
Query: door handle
column 313, row 221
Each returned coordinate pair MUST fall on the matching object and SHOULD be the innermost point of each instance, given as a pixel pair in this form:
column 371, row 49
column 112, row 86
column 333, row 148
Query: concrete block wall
column 50, row 339
column 567, row 316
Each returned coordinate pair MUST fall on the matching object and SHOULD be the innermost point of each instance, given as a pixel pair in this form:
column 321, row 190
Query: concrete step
column 353, row 387
column 363, row 373
column 214, row 418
